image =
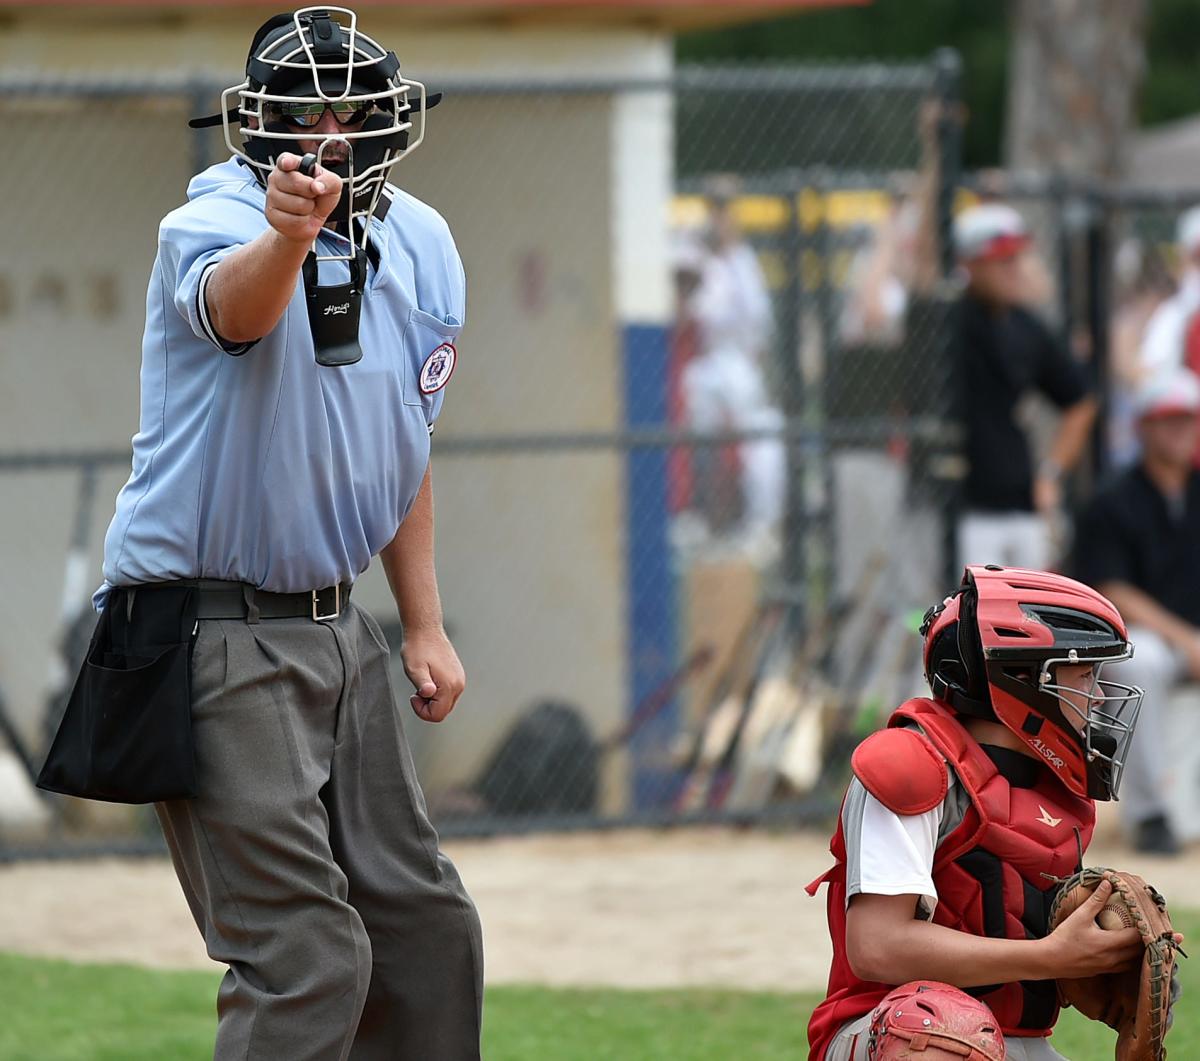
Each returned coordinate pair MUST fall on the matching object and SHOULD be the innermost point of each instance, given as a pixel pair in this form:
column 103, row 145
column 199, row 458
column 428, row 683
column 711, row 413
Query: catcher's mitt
column 1137, row 1002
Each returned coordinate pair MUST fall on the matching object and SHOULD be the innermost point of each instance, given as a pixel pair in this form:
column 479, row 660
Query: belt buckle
column 324, row 617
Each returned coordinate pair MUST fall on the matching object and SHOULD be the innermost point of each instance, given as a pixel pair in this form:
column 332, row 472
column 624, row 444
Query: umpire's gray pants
column 308, row 860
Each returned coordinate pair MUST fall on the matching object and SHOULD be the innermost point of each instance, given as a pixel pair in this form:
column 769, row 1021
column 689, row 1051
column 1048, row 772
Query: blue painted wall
column 650, row 580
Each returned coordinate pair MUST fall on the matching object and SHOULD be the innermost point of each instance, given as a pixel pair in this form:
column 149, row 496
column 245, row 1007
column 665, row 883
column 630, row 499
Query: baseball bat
column 718, row 719
column 792, row 700
column 720, row 777
column 798, row 752
column 780, row 701
column 657, row 698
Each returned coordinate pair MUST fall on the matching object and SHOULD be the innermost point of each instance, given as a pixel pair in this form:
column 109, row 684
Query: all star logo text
column 1050, row 757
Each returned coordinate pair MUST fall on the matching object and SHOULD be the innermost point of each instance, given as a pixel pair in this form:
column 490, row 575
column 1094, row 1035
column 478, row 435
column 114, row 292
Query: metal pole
column 200, row 99
column 791, row 378
column 948, row 92
column 828, row 419
column 1066, row 221
column 1099, row 296
column 947, row 87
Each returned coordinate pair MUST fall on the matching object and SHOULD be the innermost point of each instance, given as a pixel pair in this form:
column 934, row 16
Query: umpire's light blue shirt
column 259, row 465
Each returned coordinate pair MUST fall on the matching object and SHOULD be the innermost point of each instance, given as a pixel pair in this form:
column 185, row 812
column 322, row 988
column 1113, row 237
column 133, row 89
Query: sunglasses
column 307, row 115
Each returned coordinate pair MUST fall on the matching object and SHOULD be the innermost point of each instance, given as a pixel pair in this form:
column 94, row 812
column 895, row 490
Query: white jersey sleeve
column 889, row 853
column 1164, row 338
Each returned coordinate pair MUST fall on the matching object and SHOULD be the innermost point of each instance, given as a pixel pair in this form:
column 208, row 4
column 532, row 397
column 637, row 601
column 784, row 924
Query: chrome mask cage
column 294, row 52
column 1112, row 712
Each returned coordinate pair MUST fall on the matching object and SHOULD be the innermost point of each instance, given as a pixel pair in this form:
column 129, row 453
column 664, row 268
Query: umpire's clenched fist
column 297, row 206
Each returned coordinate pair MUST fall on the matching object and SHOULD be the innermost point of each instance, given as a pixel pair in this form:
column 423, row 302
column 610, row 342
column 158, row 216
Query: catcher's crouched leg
column 923, row 1021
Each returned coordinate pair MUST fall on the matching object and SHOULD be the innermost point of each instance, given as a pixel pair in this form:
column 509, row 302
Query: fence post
column 199, row 96
column 791, row 337
column 827, row 324
column 947, row 87
column 1099, row 303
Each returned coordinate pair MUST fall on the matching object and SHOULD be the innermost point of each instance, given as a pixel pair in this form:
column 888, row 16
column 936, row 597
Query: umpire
column 289, row 388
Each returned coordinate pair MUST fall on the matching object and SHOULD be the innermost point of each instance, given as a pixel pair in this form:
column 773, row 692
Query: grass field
column 56, row 1011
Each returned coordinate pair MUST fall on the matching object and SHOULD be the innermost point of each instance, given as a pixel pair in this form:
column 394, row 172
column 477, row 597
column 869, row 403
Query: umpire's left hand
column 434, row 668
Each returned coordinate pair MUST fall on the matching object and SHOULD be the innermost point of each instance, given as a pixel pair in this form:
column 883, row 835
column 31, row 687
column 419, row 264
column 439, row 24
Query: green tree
column 911, row 30
column 1171, row 88
column 887, row 30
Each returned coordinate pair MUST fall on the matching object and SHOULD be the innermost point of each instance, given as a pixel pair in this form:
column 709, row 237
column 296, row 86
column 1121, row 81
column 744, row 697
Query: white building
column 553, row 584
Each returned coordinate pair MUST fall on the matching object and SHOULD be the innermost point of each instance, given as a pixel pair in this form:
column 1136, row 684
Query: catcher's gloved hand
column 1137, row 1002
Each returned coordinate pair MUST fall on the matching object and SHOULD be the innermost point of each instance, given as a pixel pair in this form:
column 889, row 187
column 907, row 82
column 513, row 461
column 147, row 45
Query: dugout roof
column 671, row 15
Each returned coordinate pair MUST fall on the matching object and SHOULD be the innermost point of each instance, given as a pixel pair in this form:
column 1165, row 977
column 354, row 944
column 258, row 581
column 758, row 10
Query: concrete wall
column 563, row 243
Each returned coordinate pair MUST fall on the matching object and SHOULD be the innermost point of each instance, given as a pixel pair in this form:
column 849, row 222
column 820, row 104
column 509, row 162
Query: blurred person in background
column 1138, row 543
column 1172, row 334
column 900, row 261
column 724, row 385
column 1143, row 285
column 1003, row 353
column 883, row 276
column 688, row 255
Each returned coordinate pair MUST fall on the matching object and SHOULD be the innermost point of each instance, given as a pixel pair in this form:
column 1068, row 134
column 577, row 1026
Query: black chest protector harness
column 334, row 310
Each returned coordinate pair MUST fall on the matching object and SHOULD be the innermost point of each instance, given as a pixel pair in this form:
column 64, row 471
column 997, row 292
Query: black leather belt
column 218, row 599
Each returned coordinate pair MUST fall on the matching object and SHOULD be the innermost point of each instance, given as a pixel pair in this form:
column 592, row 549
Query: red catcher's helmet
column 991, row 651
column 929, row 1021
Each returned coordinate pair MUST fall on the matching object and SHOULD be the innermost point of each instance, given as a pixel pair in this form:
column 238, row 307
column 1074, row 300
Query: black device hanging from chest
column 334, row 309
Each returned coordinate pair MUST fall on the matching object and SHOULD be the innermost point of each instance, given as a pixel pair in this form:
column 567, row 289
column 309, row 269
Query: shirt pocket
column 429, row 356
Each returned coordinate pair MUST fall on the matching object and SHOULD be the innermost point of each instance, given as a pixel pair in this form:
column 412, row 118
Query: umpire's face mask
column 309, row 69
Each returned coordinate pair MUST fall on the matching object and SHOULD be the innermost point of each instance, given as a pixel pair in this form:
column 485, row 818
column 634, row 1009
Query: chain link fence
column 683, row 559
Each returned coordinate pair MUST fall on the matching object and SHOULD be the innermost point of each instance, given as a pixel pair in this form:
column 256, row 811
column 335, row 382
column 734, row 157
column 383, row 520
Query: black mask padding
column 970, row 651
column 330, row 47
column 267, row 29
column 333, row 312
column 963, row 670
column 267, row 150
column 1099, row 771
column 326, row 38
column 367, row 152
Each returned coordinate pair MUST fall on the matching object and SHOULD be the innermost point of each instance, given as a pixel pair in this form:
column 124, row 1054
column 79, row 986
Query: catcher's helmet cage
column 309, row 57
column 992, row 649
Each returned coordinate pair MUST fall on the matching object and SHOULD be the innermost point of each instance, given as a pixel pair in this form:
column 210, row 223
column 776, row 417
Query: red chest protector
column 988, row 870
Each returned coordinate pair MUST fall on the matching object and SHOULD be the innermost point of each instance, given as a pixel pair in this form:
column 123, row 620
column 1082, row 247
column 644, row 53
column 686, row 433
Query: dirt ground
column 633, row 909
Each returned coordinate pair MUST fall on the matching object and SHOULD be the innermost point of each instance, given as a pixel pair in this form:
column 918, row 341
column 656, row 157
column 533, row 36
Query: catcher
column 963, row 818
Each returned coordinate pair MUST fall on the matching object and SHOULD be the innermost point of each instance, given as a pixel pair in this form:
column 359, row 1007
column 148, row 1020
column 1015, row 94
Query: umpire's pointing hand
column 433, row 667
column 298, row 206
